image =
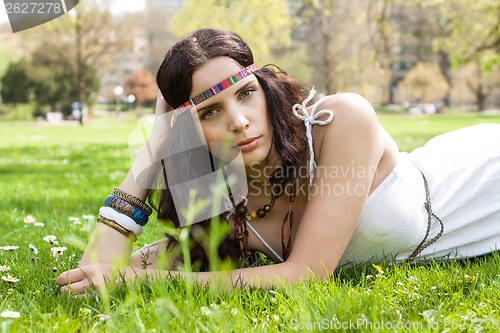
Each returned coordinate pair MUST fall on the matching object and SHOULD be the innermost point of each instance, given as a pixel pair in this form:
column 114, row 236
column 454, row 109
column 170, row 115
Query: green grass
column 20, row 112
column 54, row 172
column 413, row 131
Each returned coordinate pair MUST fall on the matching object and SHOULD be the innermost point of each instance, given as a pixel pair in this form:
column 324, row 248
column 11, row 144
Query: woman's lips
column 248, row 144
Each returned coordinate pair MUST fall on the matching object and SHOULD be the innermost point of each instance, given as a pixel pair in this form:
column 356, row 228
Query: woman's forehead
column 211, row 73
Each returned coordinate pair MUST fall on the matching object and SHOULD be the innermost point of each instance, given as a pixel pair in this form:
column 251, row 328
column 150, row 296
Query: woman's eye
column 247, row 92
column 208, row 114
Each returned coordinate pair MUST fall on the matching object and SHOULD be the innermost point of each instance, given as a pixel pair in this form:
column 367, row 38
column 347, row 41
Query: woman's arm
column 349, row 151
column 107, row 245
column 352, row 145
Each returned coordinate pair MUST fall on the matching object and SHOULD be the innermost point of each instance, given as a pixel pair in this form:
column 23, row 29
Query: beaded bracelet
column 132, row 200
column 122, row 206
column 123, row 220
column 115, row 226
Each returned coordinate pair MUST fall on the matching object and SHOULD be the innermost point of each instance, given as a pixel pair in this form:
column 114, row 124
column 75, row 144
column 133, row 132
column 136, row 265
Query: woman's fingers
column 69, row 277
column 78, row 280
column 74, row 282
column 161, row 105
column 78, row 288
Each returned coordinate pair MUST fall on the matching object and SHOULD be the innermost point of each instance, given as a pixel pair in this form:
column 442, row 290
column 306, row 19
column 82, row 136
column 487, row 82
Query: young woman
column 323, row 188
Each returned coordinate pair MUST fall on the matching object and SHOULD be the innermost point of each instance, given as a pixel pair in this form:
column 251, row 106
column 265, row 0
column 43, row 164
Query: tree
column 380, row 30
column 141, row 84
column 53, row 82
column 479, row 82
column 263, row 24
column 424, row 84
column 85, row 41
column 15, row 83
column 402, row 35
column 339, row 47
column 473, row 30
column 320, row 18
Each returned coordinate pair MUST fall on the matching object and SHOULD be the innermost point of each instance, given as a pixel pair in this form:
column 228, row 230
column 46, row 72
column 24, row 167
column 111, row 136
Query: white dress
column 462, row 169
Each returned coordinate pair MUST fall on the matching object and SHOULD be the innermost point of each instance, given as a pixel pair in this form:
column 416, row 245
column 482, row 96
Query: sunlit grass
column 60, row 173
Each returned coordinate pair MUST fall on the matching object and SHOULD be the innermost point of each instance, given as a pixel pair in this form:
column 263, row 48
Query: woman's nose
column 238, row 121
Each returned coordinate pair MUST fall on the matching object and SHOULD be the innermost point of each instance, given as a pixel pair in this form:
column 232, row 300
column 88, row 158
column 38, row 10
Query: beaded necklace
column 242, row 217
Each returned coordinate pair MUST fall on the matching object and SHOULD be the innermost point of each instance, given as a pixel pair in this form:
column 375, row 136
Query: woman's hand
column 79, row 280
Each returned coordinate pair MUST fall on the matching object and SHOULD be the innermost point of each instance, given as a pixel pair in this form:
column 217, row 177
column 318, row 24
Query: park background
column 427, row 67
column 423, row 56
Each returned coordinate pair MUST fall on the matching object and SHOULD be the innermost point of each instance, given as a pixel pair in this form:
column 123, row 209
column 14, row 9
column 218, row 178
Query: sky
column 117, row 7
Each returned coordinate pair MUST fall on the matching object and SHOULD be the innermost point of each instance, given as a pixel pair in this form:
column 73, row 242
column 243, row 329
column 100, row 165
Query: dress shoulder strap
column 310, row 119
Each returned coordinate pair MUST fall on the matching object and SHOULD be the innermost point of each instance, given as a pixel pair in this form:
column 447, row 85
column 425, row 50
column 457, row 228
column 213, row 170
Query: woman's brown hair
column 174, row 79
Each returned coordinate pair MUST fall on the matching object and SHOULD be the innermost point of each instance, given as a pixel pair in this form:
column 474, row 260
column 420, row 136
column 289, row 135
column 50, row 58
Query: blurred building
column 151, row 39
column 414, row 29
column 157, row 16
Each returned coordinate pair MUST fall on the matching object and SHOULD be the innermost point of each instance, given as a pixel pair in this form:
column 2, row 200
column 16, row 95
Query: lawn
column 60, row 176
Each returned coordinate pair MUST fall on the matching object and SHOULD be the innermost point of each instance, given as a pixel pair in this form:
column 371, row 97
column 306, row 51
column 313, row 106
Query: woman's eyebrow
column 208, row 107
column 217, row 104
column 243, row 88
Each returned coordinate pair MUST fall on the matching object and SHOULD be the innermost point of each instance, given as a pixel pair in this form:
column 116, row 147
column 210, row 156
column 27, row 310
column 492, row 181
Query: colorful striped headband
column 216, row 89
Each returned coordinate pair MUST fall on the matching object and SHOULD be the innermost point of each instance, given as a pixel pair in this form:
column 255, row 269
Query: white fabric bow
column 309, row 120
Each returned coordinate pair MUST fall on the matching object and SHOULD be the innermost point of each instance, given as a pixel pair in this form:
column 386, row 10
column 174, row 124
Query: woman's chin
column 254, row 160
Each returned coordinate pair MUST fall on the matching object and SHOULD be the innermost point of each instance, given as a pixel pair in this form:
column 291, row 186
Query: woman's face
column 237, row 115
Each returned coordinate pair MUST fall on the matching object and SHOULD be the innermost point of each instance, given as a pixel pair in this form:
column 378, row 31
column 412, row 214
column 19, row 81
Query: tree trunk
column 445, row 67
column 481, row 98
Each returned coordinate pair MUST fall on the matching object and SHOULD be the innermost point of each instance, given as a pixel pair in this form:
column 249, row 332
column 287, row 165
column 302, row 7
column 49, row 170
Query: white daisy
column 206, row 311
column 29, row 219
column 33, row 248
column 10, row 314
column 9, row 247
column 11, row 279
column 58, row 250
column 50, row 239
column 39, row 224
column 4, row 269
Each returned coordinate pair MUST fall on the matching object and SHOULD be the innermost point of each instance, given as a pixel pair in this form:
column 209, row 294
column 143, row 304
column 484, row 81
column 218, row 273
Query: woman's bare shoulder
column 350, row 104
column 352, row 114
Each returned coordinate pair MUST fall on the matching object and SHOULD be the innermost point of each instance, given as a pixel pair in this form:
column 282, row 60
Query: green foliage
column 55, row 172
column 470, row 37
column 43, row 81
column 63, row 64
column 55, row 84
column 263, row 24
column 18, row 112
column 15, row 83
column 471, row 27
column 9, row 51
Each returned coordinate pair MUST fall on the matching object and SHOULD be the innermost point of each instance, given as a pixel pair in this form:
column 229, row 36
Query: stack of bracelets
column 124, row 213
